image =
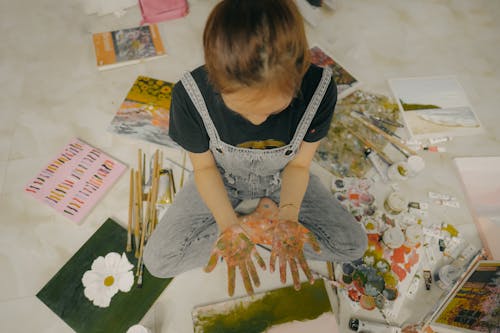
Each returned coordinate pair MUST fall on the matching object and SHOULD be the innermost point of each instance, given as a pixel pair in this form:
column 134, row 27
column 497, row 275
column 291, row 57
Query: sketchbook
column 127, row 46
column 346, row 82
column 75, row 180
column 434, row 107
column 145, row 112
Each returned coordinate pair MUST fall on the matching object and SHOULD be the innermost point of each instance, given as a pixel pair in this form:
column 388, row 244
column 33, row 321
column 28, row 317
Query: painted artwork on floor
column 75, row 180
column 281, row 310
column 346, row 82
column 435, row 106
column 475, row 306
column 145, row 112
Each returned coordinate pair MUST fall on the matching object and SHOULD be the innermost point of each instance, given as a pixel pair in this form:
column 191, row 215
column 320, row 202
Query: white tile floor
column 51, row 91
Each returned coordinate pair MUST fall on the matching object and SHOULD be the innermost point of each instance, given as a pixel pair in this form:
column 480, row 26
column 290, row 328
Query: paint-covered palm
column 237, row 250
column 288, row 244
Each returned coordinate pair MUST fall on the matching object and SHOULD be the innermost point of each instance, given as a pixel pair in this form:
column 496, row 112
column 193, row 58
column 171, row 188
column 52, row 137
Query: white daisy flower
column 107, row 276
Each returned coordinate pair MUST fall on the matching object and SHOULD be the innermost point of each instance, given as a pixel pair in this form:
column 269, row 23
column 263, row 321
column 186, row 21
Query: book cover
column 64, row 294
column 475, row 305
column 127, row 46
column 145, row 112
column 434, row 107
column 274, row 311
column 346, row 82
column 75, row 180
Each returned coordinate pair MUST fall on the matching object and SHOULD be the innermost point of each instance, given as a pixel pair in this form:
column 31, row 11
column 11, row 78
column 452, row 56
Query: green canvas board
column 63, row 294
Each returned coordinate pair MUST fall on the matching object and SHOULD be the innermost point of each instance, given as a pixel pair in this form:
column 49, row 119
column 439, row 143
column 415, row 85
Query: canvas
column 282, row 310
column 346, row 82
column 145, row 112
column 475, row 305
column 75, row 180
column 434, row 106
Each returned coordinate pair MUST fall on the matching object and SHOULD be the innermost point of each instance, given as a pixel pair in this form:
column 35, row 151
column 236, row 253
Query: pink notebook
column 76, row 179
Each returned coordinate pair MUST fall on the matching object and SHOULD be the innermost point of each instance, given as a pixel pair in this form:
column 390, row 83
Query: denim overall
column 185, row 236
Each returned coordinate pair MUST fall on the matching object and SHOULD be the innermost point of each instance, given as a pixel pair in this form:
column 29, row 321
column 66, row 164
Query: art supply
column 75, row 180
column 365, row 326
column 415, row 164
column 447, row 203
column 372, row 157
column 398, row 171
column 427, row 279
column 448, row 275
column 413, row 287
column 370, row 145
column 139, row 329
column 395, row 203
column 442, row 196
column 437, row 140
column 130, row 212
column 389, row 138
column 181, row 182
column 393, row 237
column 435, row 149
column 414, row 235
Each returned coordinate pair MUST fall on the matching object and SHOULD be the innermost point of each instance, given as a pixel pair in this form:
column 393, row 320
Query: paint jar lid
column 393, row 238
column 415, row 164
column 138, row 329
column 395, row 203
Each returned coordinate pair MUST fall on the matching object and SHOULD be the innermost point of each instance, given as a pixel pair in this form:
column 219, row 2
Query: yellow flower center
column 109, row 280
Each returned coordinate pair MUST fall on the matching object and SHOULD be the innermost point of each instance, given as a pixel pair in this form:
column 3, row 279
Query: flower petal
column 99, row 264
column 125, row 265
column 102, row 300
column 91, row 277
column 112, row 260
column 125, row 281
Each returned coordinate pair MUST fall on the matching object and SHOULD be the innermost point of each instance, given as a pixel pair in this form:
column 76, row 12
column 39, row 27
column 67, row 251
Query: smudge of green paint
column 276, row 307
column 414, row 106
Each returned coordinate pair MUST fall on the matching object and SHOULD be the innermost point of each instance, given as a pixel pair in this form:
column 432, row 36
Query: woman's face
column 256, row 105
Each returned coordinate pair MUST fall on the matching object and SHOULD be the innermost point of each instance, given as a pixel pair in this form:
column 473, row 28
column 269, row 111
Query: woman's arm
column 294, row 180
column 211, row 188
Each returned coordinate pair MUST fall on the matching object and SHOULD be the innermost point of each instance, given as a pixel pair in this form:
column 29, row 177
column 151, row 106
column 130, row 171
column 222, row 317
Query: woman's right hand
column 237, row 249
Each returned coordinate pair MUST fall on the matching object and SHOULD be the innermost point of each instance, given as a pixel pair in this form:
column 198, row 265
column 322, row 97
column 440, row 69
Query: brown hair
column 255, row 43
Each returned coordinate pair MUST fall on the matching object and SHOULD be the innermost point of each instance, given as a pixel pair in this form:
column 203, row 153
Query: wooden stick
column 137, row 213
column 130, row 212
column 370, row 145
column 389, row 138
column 143, row 236
column 331, row 272
column 171, row 175
column 181, row 182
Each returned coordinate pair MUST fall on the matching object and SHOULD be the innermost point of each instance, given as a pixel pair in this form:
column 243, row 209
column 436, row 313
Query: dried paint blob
column 367, row 302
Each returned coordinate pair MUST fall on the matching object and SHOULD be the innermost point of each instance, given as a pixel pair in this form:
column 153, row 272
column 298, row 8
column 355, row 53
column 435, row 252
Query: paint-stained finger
column 314, row 242
column 295, row 273
column 272, row 260
column 246, row 278
column 231, row 279
column 259, row 259
column 212, row 262
column 305, row 267
column 253, row 273
column 282, row 263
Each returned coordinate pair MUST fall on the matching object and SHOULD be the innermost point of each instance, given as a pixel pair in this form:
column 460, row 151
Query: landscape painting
column 283, row 310
column 435, row 106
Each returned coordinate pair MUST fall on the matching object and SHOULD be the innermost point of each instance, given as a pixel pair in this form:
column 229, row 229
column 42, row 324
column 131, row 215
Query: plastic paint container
column 395, row 203
column 398, row 171
column 414, row 235
column 139, row 329
column 393, row 238
column 415, row 164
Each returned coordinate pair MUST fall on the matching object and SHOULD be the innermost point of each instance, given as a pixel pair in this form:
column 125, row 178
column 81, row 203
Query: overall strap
column 311, row 109
column 197, row 98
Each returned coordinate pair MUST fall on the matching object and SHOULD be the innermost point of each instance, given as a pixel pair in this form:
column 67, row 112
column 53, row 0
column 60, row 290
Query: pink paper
column 76, row 179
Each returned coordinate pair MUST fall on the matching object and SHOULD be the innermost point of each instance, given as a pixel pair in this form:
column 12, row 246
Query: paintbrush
column 370, row 145
column 181, row 183
column 389, row 138
column 130, row 212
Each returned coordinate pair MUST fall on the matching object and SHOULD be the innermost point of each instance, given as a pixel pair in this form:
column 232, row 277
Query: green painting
column 63, row 294
column 279, row 310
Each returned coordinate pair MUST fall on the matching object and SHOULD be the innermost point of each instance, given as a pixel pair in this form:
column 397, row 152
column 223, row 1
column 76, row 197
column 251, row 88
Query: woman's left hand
column 289, row 238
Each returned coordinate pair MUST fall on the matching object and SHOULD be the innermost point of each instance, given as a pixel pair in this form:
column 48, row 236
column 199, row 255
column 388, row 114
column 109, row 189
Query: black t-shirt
column 187, row 128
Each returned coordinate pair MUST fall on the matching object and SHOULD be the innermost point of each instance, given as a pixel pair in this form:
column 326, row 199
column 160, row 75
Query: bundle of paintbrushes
column 150, row 189
column 344, row 151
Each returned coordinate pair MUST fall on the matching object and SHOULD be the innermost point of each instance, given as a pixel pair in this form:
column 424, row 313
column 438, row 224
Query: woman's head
column 256, row 44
